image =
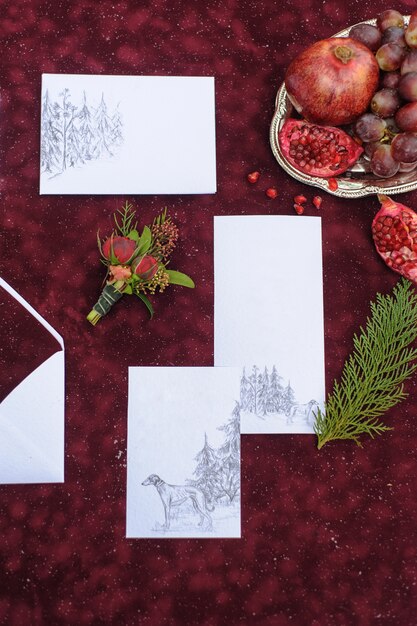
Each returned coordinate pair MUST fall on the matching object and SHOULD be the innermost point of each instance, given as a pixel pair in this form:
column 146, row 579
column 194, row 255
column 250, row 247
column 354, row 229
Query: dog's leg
column 167, row 510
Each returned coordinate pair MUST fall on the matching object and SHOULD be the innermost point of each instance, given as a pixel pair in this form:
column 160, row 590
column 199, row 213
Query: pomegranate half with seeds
column 394, row 230
column 333, row 81
column 321, row 151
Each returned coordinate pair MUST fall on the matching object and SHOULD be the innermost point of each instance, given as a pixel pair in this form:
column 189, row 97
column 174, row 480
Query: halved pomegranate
column 394, row 231
column 322, row 151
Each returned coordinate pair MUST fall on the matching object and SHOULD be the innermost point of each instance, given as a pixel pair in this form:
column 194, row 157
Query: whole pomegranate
column 322, row 151
column 332, row 82
column 394, row 230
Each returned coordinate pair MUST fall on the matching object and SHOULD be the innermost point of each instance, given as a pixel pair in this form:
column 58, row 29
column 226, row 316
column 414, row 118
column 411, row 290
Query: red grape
column 406, row 117
column 411, row 32
column 367, row 34
column 404, row 148
column 391, row 125
column 385, row 102
column 369, row 127
column 382, row 162
column 410, row 62
column 389, row 56
column 370, row 147
column 394, row 34
column 389, row 18
column 391, row 80
column 407, row 87
column 408, row 167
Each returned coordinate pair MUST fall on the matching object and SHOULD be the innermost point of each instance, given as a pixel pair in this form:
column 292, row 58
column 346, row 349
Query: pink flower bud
column 146, row 267
column 123, row 248
column 120, row 272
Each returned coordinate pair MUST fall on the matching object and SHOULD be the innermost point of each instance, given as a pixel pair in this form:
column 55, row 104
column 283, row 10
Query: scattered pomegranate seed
column 333, row 185
column 299, row 209
column 253, row 177
column 271, row 192
column 300, row 199
column 317, row 200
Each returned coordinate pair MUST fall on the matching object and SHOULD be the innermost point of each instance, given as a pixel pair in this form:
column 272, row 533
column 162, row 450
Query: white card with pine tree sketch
column 183, row 452
column 127, row 135
column 268, row 317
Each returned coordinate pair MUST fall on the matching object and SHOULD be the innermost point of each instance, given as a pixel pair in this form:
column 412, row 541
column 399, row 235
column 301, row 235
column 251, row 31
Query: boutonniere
column 137, row 263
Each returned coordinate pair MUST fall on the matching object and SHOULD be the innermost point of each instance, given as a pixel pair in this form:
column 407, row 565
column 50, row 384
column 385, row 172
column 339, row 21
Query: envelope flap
column 26, row 339
column 32, row 426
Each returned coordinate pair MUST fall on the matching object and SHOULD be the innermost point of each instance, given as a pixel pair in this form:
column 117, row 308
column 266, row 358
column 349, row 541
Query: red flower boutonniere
column 137, row 263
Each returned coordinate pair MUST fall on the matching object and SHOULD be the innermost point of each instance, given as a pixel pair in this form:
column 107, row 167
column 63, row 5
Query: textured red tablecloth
column 329, row 537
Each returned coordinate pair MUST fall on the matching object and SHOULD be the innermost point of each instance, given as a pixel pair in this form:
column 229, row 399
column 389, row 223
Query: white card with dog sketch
column 268, row 317
column 183, row 452
column 127, row 134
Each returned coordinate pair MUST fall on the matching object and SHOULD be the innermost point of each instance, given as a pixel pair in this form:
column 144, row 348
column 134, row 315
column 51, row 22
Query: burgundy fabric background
column 24, row 343
column 329, row 537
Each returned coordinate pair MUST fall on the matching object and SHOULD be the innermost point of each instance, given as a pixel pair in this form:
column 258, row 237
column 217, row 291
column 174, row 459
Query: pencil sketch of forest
column 75, row 133
column 211, row 498
column 264, row 394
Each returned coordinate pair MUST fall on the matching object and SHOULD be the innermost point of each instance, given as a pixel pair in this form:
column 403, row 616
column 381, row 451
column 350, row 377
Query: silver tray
column 355, row 182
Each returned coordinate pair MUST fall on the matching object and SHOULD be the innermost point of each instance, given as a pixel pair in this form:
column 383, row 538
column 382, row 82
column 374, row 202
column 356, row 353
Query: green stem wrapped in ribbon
column 137, row 263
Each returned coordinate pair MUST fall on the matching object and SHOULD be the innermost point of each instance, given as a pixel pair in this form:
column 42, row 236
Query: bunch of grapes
column 389, row 129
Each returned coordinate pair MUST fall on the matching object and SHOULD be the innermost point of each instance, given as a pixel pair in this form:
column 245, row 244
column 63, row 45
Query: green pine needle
column 127, row 215
column 372, row 378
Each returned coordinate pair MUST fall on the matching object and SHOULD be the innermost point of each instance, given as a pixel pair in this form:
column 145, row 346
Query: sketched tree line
column 217, row 471
column 72, row 135
column 262, row 393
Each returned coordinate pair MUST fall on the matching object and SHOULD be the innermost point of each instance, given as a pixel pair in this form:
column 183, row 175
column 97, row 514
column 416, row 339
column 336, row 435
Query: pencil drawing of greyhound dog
column 175, row 495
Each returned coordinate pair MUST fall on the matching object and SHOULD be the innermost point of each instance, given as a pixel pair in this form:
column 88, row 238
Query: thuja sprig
column 373, row 375
column 124, row 223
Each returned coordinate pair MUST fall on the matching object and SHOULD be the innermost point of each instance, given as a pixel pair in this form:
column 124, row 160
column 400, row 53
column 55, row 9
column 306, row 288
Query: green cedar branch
column 372, row 379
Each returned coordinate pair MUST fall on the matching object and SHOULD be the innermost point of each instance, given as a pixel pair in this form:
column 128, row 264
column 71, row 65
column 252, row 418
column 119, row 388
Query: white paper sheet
column 269, row 317
column 32, row 419
column 127, row 135
column 183, row 459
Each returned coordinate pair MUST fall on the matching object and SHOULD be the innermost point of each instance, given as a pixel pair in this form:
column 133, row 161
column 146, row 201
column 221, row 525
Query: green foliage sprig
column 372, row 378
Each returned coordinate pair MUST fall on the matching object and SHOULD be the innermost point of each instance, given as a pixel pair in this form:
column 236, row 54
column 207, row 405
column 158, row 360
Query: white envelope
column 127, row 135
column 32, row 418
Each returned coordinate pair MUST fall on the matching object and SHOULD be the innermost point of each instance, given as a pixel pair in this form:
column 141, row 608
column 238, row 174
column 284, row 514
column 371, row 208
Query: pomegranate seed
column 271, row 192
column 300, row 199
column 317, row 200
column 333, row 184
column 253, row 177
column 299, row 209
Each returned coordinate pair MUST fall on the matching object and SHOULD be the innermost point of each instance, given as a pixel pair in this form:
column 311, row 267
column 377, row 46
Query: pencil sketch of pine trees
column 75, row 133
column 229, row 457
column 86, row 128
column 263, row 393
column 51, row 135
column 288, row 398
column 217, row 472
column 206, row 468
column 275, row 392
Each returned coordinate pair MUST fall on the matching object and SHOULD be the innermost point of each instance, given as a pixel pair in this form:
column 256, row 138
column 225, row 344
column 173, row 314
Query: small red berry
column 300, row 199
column 333, row 184
column 299, row 209
column 271, row 192
column 317, row 201
column 253, row 177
